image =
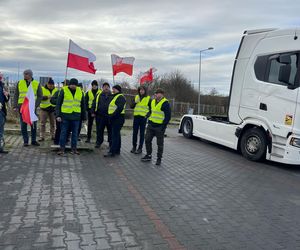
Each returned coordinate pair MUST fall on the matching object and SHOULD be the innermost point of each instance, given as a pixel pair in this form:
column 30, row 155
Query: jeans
column 90, row 125
column 2, row 122
column 159, row 133
column 101, row 123
column 66, row 126
column 25, row 133
column 139, row 124
column 116, row 126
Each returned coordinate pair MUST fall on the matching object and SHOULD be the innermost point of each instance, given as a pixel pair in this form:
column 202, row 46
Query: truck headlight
column 295, row 142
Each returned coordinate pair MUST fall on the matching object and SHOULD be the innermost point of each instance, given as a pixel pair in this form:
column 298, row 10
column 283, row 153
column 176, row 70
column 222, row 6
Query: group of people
column 68, row 107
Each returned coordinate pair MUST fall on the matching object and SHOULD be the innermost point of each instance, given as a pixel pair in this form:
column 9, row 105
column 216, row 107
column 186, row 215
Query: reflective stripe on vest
column 91, row 96
column 157, row 115
column 141, row 108
column 112, row 105
column 46, row 103
column 22, row 86
column 71, row 103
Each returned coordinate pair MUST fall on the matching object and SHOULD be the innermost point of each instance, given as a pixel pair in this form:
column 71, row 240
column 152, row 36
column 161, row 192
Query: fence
column 178, row 108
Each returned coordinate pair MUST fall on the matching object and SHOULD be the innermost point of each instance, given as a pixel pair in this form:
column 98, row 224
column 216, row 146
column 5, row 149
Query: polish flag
column 147, row 76
column 28, row 107
column 81, row 59
column 122, row 64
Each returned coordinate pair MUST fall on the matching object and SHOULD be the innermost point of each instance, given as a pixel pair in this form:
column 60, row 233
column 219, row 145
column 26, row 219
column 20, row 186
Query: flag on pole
column 28, row 107
column 147, row 76
column 122, row 64
column 81, row 59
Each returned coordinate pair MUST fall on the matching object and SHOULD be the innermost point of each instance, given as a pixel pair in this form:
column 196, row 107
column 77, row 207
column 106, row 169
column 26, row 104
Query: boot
column 139, row 151
column 158, row 162
column 146, row 158
column 133, row 150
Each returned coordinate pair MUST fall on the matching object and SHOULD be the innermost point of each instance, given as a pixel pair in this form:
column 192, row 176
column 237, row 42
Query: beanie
column 117, row 87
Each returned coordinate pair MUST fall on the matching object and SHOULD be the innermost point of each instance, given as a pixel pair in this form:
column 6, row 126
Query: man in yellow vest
column 89, row 98
column 116, row 112
column 70, row 110
column 141, row 106
column 100, row 111
column 47, row 109
column 20, row 93
column 157, row 124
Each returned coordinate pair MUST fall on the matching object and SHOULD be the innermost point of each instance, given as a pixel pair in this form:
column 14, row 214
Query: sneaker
column 133, row 150
column 88, row 141
column 139, row 151
column 25, row 144
column 146, row 158
column 35, row 143
column 97, row 146
column 109, row 154
column 3, row 151
column 61, row 152
column 158, row 162
column 75, row 152
column 42, row 139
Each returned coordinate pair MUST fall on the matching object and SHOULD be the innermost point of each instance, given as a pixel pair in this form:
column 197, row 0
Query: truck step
column 279, row 145
column 277, row 155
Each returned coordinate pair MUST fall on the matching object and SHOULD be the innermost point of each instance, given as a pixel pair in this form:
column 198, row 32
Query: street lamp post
column 210, row 48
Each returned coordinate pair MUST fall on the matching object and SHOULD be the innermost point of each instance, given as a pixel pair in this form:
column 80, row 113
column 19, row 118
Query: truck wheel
column 187, row 128
column 254, row 144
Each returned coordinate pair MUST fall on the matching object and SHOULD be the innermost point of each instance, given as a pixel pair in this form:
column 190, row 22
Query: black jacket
column 73, row 116
column 94, row 91
column 120, row 103
column 167, row 110
column 3, row 99
column 102, row 105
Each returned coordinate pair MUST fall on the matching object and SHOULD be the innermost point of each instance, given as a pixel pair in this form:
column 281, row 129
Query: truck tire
column 187, row 128
column 254, row 144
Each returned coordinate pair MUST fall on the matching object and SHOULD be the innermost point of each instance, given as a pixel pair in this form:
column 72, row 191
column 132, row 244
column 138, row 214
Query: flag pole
column 112, row 69
column 66, row 74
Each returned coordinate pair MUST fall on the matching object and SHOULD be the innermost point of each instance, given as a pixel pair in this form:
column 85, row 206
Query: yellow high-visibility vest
column 141, row 108
column 46, row 103
column 71, row 103
column 22, row 86
column 112, row 105
column 157, row 115
column 91, row 96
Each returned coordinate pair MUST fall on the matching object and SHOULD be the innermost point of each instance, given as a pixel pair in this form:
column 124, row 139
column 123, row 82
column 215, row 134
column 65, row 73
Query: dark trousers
column 57, row 132
column 25, row 133
column 116, row 126
column 139, row 125
column 66, row 126
column 101, row 124
column 2, row 123
column 90, row 125
column 79, row 128
column 158, row 132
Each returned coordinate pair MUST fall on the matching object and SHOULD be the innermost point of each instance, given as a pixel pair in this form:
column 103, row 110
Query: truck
column 263, row 118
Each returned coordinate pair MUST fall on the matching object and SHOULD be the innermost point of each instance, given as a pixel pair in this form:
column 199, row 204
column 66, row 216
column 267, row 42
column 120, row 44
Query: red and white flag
column 81, row 59
column 122, row 64
column 147, row 76
column 28, row 107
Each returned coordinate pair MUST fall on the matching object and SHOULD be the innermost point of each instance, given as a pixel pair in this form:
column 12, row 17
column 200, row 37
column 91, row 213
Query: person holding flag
column 27, row 98
column 141, row 106
column 89, row 98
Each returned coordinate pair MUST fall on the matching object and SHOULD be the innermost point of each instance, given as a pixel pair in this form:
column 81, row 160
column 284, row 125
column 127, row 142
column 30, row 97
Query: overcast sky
column 164, row 34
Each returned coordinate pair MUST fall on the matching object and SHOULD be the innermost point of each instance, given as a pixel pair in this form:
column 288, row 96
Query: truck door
column 278, row 90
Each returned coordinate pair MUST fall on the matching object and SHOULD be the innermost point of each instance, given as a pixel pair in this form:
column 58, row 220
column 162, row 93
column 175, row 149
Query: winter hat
column 28, row 72
column 73, row 81
column 50, row 81
column 94, row 82
column 117, row 87
column 105, row 83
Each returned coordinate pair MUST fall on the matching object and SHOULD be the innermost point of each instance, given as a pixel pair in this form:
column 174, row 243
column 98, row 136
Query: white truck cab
column 264, row 104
